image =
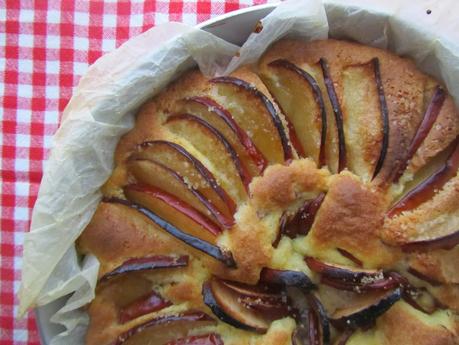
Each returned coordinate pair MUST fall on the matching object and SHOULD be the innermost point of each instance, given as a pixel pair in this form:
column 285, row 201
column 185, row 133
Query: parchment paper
column 103, row 107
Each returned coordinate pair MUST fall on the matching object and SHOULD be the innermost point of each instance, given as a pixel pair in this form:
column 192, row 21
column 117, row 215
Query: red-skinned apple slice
column 206, row 339
column 427, row 189
column 152, row 173
column 164, row 328
column 259, row 136
column 186, row 165
column 204, row 138
column 142, row 194
column 146, row 263
column 337, row 111
column 384, row 117
column 223, row 256
column 226, row 117
column 366, row 311
column 430, row 116
column 444, row 242
column 317, row 121
column 144, row 305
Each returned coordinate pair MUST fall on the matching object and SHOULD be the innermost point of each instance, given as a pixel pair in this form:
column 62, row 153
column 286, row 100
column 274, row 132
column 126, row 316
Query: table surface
column 47, row 46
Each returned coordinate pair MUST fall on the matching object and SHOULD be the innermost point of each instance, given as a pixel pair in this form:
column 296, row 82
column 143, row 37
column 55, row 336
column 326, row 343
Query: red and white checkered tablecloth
column 47, row 46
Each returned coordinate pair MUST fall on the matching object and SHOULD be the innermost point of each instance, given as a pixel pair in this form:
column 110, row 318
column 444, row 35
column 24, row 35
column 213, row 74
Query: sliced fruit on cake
column 432, row 225
column 366, row 134
column 436, row 132
column 426, row 189
column 216, row 149
column 220, row 118
column 246, row 98
column 162, row 329
column 301, row 100
column 160, row 177
column 195, row 174
column 244, row 307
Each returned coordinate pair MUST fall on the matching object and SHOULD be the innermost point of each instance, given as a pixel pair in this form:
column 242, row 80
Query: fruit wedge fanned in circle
column 146, row 263
column 243, row 306
column 195, row 174
column 222, row 120
column 213, row 145
column 301, row 222
column 163, row 329
column 427, row 188
column 257, row 115
column 351, row 279
column 301, row 100
column 430, row 117
column 174, row 210
column 195, row 242
column 156, row 175
column 364, row 313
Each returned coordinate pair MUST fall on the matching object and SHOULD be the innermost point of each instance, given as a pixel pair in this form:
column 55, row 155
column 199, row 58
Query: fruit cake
column 308, row 199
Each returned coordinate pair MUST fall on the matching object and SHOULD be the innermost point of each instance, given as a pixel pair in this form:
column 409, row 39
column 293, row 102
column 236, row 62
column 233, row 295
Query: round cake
column 308, row 199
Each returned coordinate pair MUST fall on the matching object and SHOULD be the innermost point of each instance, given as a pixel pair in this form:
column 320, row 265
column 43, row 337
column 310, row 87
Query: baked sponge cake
column 312, row 198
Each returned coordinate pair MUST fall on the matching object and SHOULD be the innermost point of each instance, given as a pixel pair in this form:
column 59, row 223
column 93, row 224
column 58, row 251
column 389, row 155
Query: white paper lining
column 104, row 103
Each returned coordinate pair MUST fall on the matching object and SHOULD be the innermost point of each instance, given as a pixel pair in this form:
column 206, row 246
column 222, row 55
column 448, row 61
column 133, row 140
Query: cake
column 310, row 198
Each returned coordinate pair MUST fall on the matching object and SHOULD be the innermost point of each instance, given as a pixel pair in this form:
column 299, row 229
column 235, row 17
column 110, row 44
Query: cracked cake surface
column 310, row 198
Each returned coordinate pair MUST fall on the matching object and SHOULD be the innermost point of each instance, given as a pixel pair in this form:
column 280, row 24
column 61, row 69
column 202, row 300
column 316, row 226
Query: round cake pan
column 233, row 27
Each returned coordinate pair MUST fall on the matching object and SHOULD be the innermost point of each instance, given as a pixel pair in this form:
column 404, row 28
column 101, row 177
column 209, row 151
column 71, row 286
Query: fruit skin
column 302, row 221
column 242, row 171
column 211, row 302
column 178, row 205
column 222, row 113
column 286, row 278
column 321, row 316
column 445, row 242
column 427, row 189
column 347, row 274
column 317, row 96
column 366, row 316
column 144, row 305
column 337, row 111
column 203, row 171
column 146, row 263
column 223, row 256
column 430, row 116
column 206, row 339
column 288, row 153
column 162, row 320
column 384, row 117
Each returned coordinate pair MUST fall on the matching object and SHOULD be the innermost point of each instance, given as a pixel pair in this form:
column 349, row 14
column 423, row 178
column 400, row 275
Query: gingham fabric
column 47, row 45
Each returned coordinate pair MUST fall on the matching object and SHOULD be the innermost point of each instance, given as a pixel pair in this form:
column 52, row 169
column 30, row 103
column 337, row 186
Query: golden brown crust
column 401, row 326
column 349, row 218
column 280, row 186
